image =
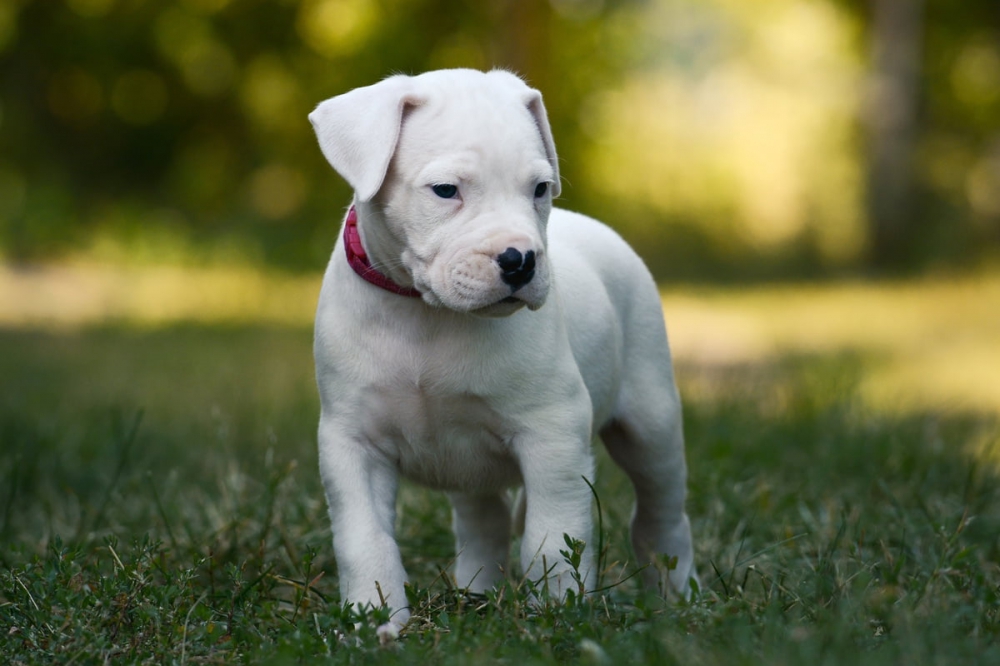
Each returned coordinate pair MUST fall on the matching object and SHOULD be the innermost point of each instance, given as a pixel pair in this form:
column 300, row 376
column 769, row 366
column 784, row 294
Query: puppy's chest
column 442, row 437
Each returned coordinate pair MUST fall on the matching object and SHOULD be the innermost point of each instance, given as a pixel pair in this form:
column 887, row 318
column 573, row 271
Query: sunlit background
column 156, row 164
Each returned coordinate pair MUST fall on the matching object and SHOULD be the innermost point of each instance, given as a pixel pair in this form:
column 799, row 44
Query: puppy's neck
column 360, row 240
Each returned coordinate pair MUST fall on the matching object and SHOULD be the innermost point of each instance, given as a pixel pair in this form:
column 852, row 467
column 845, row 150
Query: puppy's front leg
column 361, row 493
column 558, row 503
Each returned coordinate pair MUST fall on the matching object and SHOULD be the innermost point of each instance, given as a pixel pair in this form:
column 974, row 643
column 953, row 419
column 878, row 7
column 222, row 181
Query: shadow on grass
column 159, row 495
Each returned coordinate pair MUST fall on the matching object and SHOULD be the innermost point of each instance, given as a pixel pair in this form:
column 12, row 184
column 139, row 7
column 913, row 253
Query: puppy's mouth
column 502, row 308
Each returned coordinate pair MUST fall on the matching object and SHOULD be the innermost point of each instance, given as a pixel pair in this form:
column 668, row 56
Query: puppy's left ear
column 358, row 131
column 537, row 109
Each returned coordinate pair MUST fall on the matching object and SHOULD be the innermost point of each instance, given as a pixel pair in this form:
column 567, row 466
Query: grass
column 160, row 502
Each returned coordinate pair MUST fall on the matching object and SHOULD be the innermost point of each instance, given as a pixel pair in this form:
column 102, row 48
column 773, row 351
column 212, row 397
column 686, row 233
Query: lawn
column 160, row 501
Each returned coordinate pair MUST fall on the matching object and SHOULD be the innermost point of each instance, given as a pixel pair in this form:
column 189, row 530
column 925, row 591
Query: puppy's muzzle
column 517, row 269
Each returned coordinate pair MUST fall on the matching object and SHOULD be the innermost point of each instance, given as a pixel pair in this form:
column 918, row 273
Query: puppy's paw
column 388, row 633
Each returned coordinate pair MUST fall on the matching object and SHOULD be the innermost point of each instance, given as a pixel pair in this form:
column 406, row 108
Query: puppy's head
column 454, row 173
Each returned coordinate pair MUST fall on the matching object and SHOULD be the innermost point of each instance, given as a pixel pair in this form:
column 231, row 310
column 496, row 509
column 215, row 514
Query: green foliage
column 185, row 122
column 723, row 139
column 195, row 531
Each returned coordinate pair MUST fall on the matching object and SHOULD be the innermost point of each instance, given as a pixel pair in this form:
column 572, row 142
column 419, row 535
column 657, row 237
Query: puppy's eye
column 541, row 189
column 445, row 191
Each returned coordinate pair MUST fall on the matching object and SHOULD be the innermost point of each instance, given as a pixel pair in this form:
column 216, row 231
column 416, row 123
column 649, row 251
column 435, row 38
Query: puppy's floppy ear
column 533, row 100
column 537, row 109
column 358, row 131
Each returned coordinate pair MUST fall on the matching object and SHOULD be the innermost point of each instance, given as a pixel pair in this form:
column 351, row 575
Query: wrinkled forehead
column 494, row 124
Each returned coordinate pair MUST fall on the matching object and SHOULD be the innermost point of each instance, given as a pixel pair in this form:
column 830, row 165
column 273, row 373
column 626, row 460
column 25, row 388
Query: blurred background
column 805, row 178
column 729, row 140
column 814, row 183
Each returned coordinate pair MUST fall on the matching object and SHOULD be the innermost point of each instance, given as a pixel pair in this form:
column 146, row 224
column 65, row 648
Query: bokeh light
column 337, row 27
column 186, row 39
column 277, row 190
column 139, row 97
column 749, row 144
column 75, row 96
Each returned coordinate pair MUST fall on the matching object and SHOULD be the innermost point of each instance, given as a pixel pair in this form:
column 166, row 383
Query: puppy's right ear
column 358, row 131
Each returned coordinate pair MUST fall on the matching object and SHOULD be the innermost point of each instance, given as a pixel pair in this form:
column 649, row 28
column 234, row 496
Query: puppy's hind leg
column 646, row 440
column 482, row 525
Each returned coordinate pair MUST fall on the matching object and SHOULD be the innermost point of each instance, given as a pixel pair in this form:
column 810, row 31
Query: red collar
column 358, row 259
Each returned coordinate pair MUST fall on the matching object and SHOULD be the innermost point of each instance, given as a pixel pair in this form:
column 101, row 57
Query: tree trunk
column 522, row 39
column 891, row 115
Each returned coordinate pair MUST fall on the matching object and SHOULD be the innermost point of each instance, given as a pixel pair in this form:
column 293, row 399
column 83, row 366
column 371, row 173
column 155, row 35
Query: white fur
column 466, row 389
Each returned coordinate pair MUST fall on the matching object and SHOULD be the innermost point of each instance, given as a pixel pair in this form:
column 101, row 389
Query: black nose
column 517, row 269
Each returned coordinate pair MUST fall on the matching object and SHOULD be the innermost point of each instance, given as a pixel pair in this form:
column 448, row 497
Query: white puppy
column 472, row 338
